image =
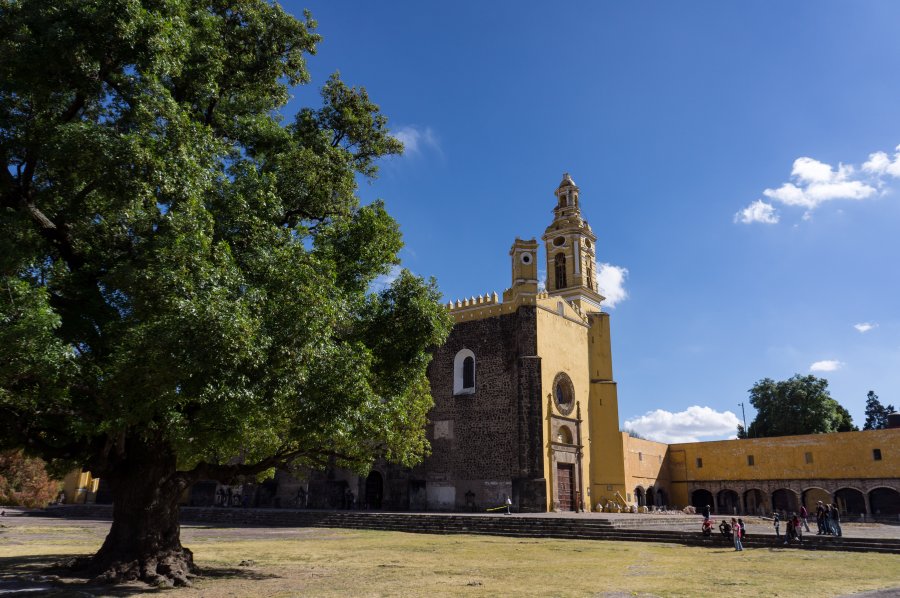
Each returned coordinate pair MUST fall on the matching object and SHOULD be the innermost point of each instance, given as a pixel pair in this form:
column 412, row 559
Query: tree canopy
column 798, row 405
column 186, row 277
column 876, row 413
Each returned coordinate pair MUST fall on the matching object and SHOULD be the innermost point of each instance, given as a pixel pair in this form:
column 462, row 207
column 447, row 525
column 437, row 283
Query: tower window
column 808, row 457
column 469, row 372
column 590, row 275
column 464, row 373
column 876, row 454
column 699, row 462
column 560, row 271
column 751, row 461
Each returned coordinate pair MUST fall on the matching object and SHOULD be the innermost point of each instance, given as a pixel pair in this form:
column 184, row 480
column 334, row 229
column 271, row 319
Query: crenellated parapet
column 471, row 302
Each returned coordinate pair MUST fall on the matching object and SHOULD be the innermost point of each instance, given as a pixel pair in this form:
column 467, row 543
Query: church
column 526, row 407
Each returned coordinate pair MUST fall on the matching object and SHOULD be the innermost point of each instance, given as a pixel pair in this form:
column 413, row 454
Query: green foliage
column 798, row 405
column 876, row 413
column 180, row 269
column 24, row 481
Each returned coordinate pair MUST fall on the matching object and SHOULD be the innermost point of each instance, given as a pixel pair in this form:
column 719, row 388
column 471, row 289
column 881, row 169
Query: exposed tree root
column 171, row 568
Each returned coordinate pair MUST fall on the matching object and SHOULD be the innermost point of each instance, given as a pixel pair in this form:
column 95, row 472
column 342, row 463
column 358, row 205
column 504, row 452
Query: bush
column 24, row 481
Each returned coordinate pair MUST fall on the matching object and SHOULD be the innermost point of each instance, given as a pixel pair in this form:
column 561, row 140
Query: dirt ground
column 281, row 562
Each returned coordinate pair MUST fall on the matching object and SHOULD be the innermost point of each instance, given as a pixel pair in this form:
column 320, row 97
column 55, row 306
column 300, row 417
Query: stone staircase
column 655, row 529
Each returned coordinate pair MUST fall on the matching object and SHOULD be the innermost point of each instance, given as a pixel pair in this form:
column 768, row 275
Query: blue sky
column 737, row 162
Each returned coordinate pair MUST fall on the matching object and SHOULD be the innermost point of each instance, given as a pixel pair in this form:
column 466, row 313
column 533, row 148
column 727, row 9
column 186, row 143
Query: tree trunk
column 144, row 542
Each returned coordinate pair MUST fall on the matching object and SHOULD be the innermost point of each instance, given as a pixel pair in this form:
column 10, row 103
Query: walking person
column 706, row 512
column 829, row 529
column 737, row 532
column 820, row 518
column 804, row 517
column 798, row 528
column 776, row 521
column 836, row 521
column 508, row 504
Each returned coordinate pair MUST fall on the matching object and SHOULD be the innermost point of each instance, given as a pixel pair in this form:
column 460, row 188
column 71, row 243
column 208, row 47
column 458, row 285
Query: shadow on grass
column 50, row 575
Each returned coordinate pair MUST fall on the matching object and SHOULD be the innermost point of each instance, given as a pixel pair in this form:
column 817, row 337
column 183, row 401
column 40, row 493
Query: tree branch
column 212, row 471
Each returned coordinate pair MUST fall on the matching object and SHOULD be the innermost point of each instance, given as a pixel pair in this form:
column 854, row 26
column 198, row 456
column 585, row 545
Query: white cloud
column 758, row 211
column 864, row 327
column 827, row 365
column 417, row 140
column 691, row 425
column 814, row 183
column 881, row 164
column 817, row 182
column 611, row 283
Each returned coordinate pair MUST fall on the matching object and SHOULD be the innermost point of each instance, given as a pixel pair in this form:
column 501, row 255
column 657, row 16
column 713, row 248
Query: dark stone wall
column 490, row 441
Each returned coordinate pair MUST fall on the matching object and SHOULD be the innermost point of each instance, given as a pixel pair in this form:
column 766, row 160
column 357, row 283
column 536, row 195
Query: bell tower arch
column 570, row 246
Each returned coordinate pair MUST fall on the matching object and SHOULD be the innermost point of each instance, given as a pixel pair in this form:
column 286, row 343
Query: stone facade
column 486, row 444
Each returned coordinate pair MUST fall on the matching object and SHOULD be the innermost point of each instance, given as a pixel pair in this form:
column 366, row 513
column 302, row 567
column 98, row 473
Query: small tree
column 876, row 413
column 24, row 481
column 798, row 405
column 184, row 278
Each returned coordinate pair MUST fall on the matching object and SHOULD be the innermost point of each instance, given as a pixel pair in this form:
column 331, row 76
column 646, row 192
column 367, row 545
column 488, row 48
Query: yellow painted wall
column 607, row 443
column 77, row 485
column 646, row 465
column 834, row 456
column 562, row 345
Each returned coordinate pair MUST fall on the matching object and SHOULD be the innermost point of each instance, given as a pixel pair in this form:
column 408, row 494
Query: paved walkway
column 757, row 526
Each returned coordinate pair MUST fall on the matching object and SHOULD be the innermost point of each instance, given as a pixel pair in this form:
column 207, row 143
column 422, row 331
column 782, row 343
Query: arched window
column 469, row 372
column 590, row 275
column 464, row 373
column 560, row 269
column 564, row 435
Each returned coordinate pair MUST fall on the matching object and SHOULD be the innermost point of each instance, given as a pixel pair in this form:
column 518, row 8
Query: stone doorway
column 374, row 490
column 565, row 476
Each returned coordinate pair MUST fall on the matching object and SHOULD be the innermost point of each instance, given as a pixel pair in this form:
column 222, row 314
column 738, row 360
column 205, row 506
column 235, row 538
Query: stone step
column 491, row 525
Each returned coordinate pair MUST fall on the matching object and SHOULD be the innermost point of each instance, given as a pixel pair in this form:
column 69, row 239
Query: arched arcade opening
column 728, row 502
column 784, row 500
column 374, row 490
column 850, row 501
column 701, row 498
column 811, row 497
column 755, row 502
column 884, row 501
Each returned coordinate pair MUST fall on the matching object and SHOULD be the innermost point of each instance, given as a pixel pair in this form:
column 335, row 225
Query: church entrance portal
column 565, row 476
column 374, row 490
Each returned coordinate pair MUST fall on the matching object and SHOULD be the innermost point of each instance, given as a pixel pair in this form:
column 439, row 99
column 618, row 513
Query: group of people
column 828, row 519
column 794, row 529
column 736, row 530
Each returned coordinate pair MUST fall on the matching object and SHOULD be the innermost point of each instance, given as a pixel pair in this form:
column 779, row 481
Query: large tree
column 876, row 413
column 186, row 283
column 798, row 405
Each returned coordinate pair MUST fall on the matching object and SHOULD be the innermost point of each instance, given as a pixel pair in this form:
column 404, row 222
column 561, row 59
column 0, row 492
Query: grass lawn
column 323, row 562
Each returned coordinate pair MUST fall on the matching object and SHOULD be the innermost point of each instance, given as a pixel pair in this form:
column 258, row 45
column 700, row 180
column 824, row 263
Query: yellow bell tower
column 570, row 245
column 524, row 269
